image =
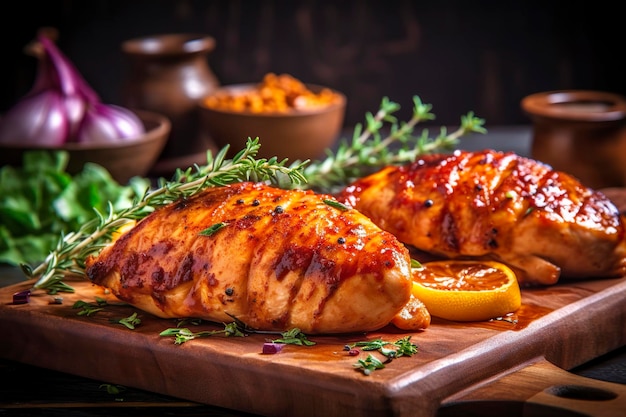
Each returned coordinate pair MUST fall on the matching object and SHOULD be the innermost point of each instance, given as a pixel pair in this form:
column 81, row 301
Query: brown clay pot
column 169, row 74
column 581, row 132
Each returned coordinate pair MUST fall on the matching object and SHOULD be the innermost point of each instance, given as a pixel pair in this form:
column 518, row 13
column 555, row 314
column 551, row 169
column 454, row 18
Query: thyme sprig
column 72, row 249
column 130, row 322
column 184, row 334
column 370, row 149
column 382, row 140
column 390, row 350
column 294, row 337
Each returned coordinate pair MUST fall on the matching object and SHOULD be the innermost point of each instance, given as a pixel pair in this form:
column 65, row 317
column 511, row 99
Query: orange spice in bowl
column 291, row 119
column 275, row 94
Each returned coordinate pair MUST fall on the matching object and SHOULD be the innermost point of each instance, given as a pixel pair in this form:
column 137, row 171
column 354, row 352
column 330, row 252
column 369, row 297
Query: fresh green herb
column 41, row 201
column 369, row 150
column 391, row 350
column 192, row 321
column 336, row 204
column 369, row 364
column 131, row 321
column 384, row 141
column 294, row 337
column 74, row 247
column 113, row 389
column 183, row 335
column 416, row 264
column 88, row 309
column 209, row 231
column 401, row 347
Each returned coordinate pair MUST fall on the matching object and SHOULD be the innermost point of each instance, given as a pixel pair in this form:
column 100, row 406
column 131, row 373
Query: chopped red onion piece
column 21, row 297
column 272, row 348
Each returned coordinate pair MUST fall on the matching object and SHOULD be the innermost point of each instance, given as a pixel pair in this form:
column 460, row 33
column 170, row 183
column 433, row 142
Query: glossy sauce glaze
column 275, row 259
column 543, row 223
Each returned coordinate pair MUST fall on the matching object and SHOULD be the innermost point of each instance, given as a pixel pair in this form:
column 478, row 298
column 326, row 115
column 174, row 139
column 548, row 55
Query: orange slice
column 461, row 290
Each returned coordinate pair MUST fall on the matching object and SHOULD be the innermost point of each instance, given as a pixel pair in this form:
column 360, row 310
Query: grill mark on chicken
column 498, row 205
column 283, row 259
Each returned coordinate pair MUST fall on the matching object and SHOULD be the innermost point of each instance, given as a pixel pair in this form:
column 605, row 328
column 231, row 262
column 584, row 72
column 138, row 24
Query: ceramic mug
column 580, row 132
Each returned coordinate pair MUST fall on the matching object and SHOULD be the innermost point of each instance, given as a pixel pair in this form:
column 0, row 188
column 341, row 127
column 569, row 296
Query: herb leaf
column 369, row 364
column 183, row 334
column 89, row 309
column 209, row 231
column 294, row 337
column 131, row 321
column 336, row 204
column 40, row 201
column 391, row 350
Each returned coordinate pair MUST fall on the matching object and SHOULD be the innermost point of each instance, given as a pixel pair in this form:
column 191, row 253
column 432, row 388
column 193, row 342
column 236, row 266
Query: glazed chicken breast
column 274, row 259
column 543, row 223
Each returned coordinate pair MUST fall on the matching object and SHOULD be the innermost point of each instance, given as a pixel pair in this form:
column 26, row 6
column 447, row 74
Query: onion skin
column 109, row 124
column 61, row 107
column 37, row 120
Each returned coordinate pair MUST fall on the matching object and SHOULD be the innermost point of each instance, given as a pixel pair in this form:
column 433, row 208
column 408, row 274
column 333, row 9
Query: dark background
column 460, row 56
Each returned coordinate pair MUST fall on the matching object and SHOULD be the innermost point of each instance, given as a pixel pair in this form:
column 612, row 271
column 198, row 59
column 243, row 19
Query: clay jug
column 581, row 132
column 169, row 74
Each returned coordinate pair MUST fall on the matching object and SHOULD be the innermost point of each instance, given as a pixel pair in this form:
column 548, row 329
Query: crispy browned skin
column 284, row 259
column 543, row 223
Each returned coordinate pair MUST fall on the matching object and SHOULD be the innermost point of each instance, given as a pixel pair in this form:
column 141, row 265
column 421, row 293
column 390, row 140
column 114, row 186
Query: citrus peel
column 466, row 290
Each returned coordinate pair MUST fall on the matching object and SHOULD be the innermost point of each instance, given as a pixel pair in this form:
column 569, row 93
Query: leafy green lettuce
column 40, row 201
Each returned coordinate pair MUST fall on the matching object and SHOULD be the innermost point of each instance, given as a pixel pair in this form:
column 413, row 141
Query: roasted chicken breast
column 543, row 223
column 274, row 259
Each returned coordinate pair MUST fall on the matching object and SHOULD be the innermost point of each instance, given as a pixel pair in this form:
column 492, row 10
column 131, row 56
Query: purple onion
column 109, row 124
column 21, row 297
column 270, row 348
column 61, row 107
column 65, row 76
column 39, row 120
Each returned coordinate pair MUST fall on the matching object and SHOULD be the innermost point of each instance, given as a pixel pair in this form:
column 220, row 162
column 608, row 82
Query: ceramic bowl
column 123, row 161
column 296, row 135
column 581, row 132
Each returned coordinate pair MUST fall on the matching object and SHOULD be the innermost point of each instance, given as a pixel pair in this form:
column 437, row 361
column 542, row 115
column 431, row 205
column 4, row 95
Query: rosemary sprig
column 73, row 248
column 391, row 351
column 384, row 141
column 183, row 334
column 369, row 150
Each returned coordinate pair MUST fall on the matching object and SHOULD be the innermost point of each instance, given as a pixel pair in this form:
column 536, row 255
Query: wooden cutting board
column 562, row 326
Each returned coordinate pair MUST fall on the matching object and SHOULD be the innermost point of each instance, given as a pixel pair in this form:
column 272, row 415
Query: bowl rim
column 543, row 104
column 161, row 130
column 340, row 103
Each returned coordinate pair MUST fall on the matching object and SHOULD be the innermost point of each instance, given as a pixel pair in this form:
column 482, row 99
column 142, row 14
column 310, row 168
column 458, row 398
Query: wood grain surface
column 565, row 325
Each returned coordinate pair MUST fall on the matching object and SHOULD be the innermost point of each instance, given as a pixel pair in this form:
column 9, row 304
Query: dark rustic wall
column 482, row 56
